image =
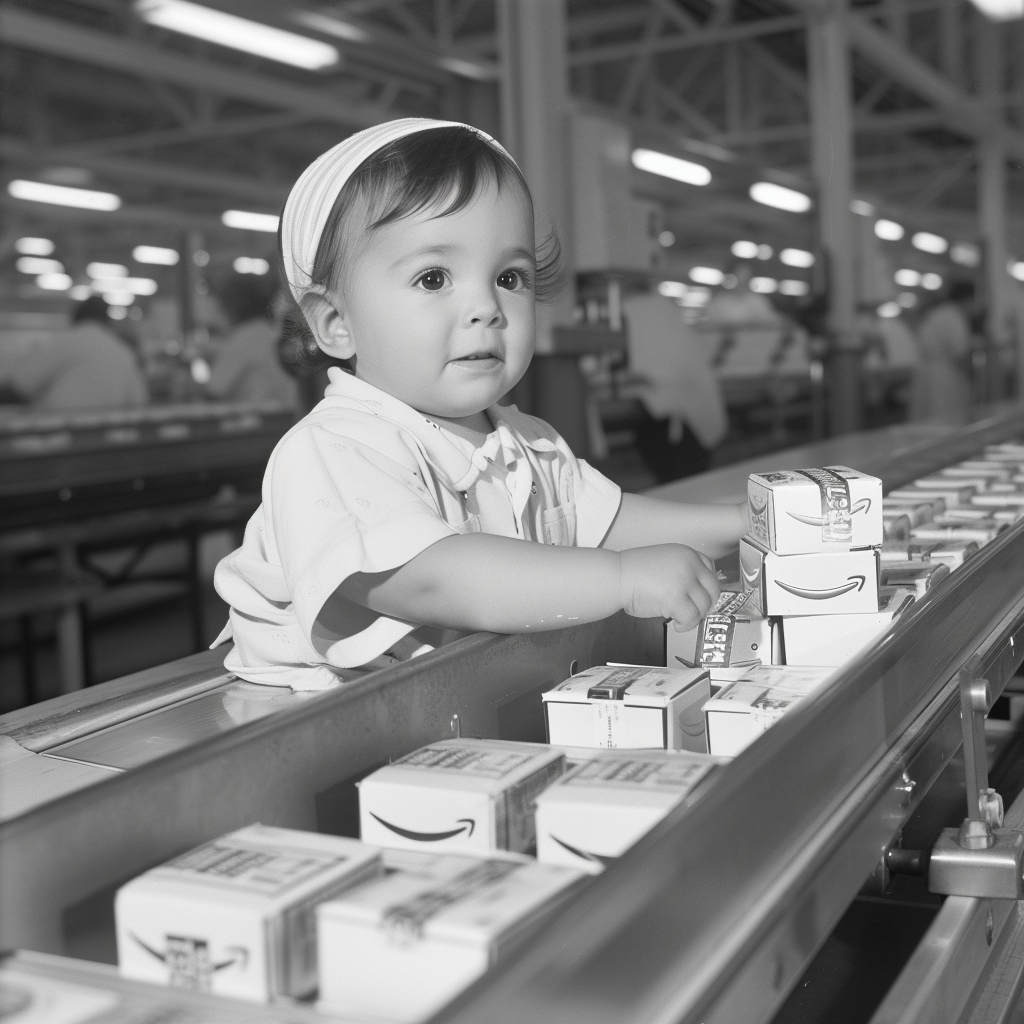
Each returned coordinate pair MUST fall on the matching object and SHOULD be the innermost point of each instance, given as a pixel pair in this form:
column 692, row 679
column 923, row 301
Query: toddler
column 409, row 502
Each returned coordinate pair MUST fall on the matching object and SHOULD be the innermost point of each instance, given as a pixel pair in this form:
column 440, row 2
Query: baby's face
column 441, row 309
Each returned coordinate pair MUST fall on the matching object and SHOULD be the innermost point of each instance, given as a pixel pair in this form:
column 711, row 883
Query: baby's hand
column 669, row 580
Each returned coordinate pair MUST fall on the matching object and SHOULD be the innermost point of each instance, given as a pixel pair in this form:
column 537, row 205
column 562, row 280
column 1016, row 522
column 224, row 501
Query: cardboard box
column 796, row 512
column 896, row 525
column 733, row 633
column 983, row 532
column 236, row 916
column 458, row 796
column 919, row 510
column 630, row 708
column 991, row 471
column 893, row 551
column 950, row 497
column 998, row 498
column 595, row 813
column 827, row 583
column 754, row 702
column 916, row 576
column 951, row 553
column 940, row 482
column 835, row 639
column 401, row 947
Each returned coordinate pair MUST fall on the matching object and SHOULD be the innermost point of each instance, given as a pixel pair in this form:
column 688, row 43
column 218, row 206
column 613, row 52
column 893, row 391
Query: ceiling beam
column 119, row 53
column 864, row 124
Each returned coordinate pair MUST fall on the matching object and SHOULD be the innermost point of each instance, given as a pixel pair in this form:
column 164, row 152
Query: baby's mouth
column 478, row 357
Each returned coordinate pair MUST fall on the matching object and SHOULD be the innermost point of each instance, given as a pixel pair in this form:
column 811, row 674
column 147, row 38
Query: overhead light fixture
column 695, row 298
column 706, row 275
column 933, row 282
column 106, row 270
column 965, row 253
column 862, row 208
column 907, row 278
column 888, row 310
column 155, row 254
column 238, row 33
column 245, row 220
column 797, row 258
column 764, row 285
column 38, row 265
column 251, row 265
column 794, row 287
column 135, row 285
column 118, row 298
column 63, row 195
column 54, row 282
column 673, row 167
column 34, row 246
column 744, row 250
column 672, row 289
column 332, row 26
column 667, row 239
column 80, row 292
column 780, row 197
column 1016, row 269
column 1000, row 10
column 927, row 242
column 889, row 230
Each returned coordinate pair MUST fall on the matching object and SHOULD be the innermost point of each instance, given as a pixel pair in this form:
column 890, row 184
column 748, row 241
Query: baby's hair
column 417, row 172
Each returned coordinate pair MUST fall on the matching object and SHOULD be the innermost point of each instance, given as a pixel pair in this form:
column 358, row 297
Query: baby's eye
column 512, row 279
column 432, row 280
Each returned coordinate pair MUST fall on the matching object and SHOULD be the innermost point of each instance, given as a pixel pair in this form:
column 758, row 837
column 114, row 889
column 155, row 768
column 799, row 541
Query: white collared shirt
column 364, row 483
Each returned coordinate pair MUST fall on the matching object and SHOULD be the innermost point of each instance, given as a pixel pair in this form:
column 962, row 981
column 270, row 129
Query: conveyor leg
column 69, row 649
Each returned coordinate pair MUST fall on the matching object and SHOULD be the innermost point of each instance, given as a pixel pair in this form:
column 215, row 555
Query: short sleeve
column 597, row 504
column 341, row 506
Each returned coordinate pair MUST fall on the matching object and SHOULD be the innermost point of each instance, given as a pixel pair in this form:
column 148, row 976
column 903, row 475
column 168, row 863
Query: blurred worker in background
column 942, row 384
column 684, row 415
column 247, row 367
column 87, row 367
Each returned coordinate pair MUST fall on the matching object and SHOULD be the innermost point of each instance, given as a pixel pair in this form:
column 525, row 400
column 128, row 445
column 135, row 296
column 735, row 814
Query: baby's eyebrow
column 427, row 250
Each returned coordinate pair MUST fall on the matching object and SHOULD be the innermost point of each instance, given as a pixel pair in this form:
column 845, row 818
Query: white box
column 595, row 813
column 835, row 639
column 941, row 482
column 236, row 916
column 982, row 532
column 794, row 512
column 991, row 471
column 755, row 702
column 401, row 947
column 734, row 632
column 827, row 583
column 952, row 496
column 917, row 576
column 919, row 510
column 896, row 524
column 893, row 551
column 458, row 796
column 611, row 706
column 997, row 497
column 951, row 553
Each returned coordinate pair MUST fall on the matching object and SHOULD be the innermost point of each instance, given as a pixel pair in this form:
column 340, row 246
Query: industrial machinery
column 716, row 915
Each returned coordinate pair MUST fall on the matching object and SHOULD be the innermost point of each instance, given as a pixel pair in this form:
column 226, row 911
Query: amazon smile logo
column 856, row 583
column 861, row 506
column 751, row 577
column 188, row 960
column 593, row 858
column 465, row 825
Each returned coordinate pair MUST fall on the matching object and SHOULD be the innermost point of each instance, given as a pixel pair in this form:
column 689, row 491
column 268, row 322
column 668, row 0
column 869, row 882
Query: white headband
column 312, row 197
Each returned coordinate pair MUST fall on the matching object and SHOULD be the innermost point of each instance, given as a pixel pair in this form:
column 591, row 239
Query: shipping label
column 629, row 772
column 486, row 764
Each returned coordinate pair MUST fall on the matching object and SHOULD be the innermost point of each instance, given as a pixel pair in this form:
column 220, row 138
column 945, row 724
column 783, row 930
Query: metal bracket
column 981, row 858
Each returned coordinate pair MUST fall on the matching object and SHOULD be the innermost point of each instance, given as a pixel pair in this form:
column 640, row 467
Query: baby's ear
column 328, row 323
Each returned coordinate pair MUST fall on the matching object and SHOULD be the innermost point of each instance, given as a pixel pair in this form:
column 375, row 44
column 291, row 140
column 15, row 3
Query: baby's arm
column 480, row 581
column 714, row 530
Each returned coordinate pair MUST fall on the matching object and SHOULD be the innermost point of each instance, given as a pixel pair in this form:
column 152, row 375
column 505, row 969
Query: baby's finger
column 709, row 582
column 687, row 614
column 709, row 563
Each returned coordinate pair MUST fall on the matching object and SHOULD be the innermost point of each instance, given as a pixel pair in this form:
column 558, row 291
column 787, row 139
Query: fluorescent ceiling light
column 1000, row 10
column 245, row 220
column 782, row 198
column 62, row 195
column 670, row 167
column 38, row 265
column 106, row 270
column 794, row 287
column 765, row 252
column 764, row 285
column 744, row 250
column 695, row 298
column 862, row 208
column 966, row 254
column 332, row 26
column 141, row 285
column 927, row 242
column 34, row 246
column 889, row 230
column 797, row 258
column 907, row 278
column 1016, row 269
column 135, row 285
column 238, row 33
column 155, row 254
column 118, row 298
column 673, row 289
column 54, row 282
column 933, row 282
column 666, row 239
column 706, row 275
column 889, row 309
column 80, row 292
column 248, row 265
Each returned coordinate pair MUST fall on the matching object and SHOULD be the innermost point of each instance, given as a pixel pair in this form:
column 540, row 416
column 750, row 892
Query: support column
column 533, row 46
column 992, row 213
column 828, row 59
